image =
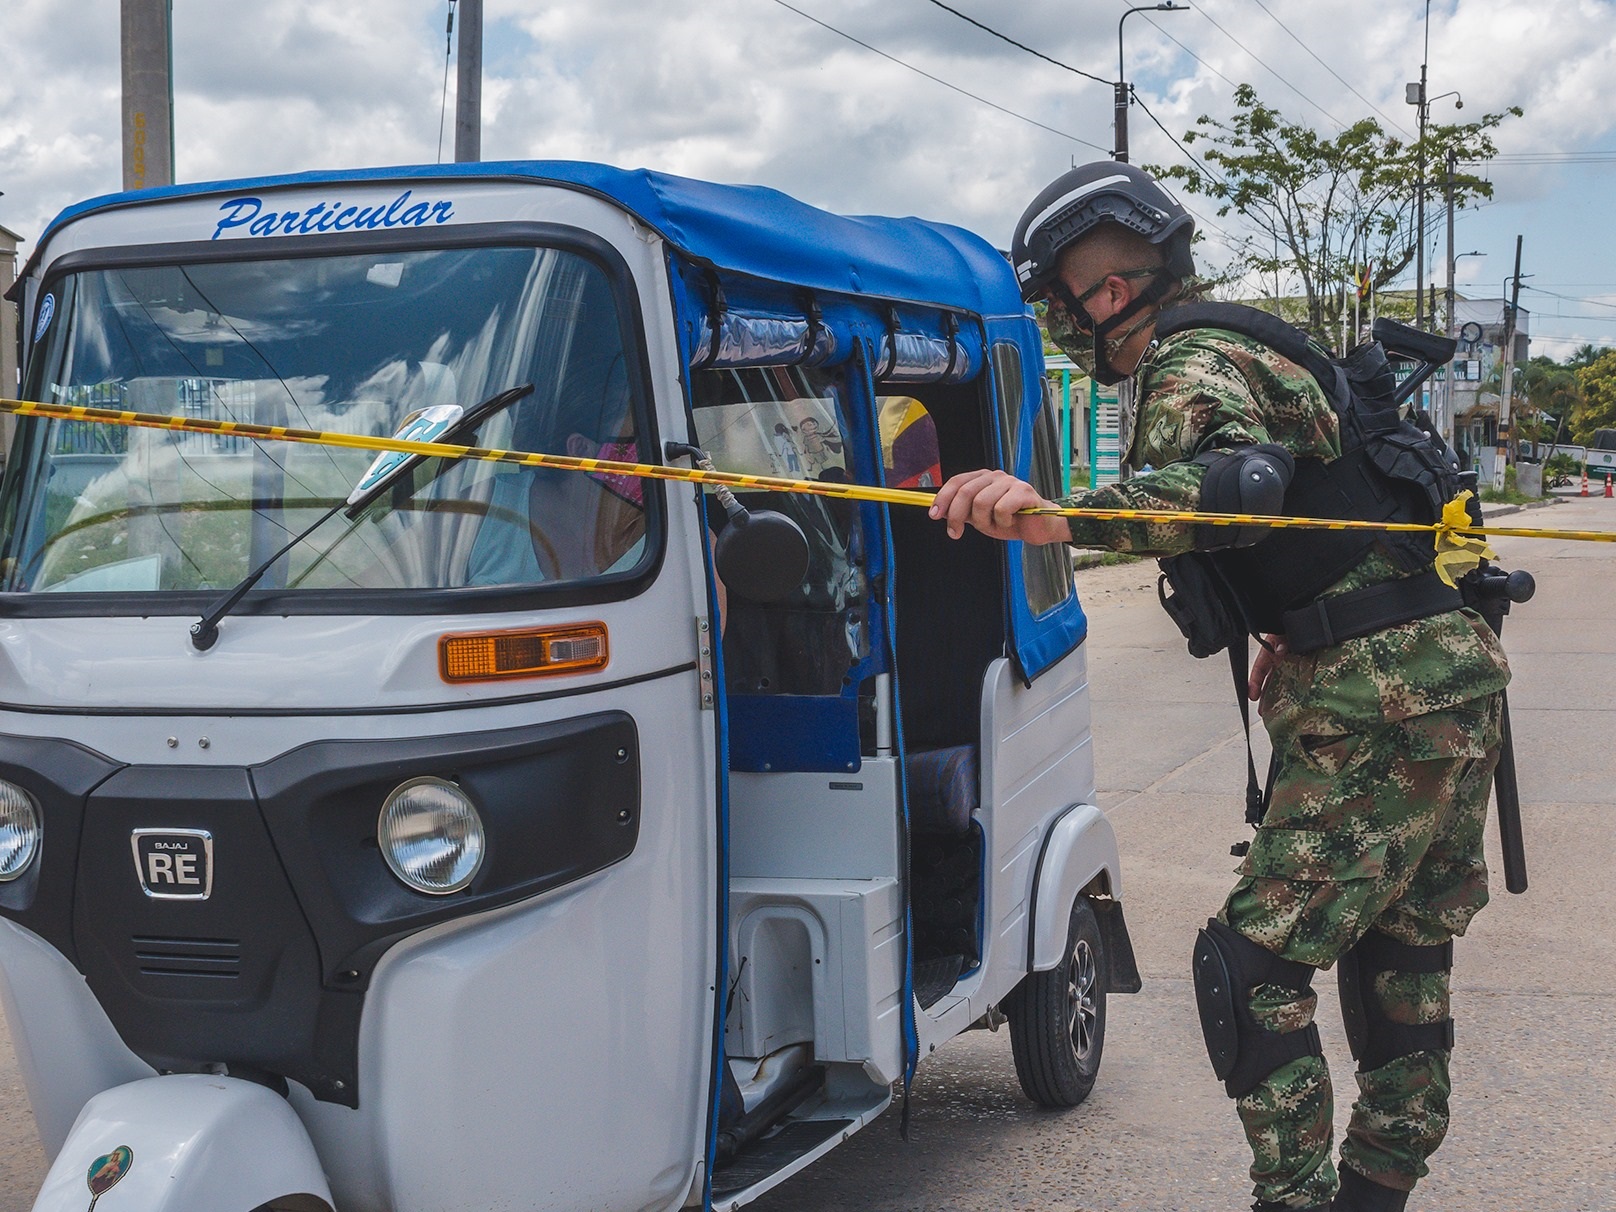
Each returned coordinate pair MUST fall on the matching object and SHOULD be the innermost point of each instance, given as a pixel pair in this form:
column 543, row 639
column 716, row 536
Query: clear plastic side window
column 790, row 421
column 1007, row 379
column 1047, row 570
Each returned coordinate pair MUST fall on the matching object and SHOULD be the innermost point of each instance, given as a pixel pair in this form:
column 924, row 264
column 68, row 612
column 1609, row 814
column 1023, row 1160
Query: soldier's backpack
column 1394, row 466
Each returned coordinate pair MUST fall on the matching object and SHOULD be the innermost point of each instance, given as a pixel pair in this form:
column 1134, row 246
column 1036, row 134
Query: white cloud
column 746, row 90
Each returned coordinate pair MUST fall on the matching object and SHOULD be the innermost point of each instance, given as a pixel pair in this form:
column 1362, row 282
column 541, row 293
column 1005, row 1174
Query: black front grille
column 211, row 957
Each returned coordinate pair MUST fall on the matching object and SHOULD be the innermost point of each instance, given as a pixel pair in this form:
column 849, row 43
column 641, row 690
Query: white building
column 1480, row 325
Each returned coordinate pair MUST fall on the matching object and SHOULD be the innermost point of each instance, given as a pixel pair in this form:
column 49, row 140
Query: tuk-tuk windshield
column 355, row 344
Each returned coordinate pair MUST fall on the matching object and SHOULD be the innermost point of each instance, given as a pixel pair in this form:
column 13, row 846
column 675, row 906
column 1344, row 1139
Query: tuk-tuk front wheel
column 1057, row 1018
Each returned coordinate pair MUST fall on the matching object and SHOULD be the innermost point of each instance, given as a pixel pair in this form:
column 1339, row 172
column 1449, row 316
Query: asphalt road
column 1534, row 1106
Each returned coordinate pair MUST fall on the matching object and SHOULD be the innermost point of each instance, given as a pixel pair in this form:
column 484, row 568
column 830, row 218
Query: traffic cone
column 1608, row 478
column 1585, row 479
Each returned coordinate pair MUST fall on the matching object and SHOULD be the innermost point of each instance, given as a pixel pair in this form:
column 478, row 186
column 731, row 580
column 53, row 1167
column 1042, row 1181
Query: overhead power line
column 1189, row 52
column 1020, row 46
column 1569, row 298
column 1551, row 157
column 939, row 80
column 1328, row 68
column 1206, row 223
column 1201, row 8
column 1068, row 67
column 1179, row 143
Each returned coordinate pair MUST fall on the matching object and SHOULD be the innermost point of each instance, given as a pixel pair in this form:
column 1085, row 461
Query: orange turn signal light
column 482, row 656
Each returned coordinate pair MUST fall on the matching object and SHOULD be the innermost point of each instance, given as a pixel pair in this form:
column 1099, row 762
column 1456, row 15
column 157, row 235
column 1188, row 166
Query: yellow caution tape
column 1458, row 549
column 1457, row 553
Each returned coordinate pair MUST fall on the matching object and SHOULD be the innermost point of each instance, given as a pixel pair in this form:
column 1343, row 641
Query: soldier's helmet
column 1078, row 201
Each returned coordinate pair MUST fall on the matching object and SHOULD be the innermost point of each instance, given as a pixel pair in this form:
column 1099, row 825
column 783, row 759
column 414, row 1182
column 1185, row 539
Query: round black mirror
column 761, row 555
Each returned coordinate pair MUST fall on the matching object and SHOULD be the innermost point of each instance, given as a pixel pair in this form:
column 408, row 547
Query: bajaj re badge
column 174, row 864
column 106, row 1171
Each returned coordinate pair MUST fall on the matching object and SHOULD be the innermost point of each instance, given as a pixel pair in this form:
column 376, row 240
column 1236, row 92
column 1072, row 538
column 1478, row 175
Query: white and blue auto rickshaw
column 493, row 851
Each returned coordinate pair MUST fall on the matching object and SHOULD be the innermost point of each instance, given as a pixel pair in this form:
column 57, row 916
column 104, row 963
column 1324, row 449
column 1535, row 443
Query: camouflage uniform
column 1385, row 747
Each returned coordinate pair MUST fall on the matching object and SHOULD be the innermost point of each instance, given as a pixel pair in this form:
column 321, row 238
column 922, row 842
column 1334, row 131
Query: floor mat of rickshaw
column 935, row 977
column 774, row 1152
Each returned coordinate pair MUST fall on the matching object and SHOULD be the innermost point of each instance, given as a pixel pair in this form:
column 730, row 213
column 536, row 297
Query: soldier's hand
column 1263, row 664
column 990, row 500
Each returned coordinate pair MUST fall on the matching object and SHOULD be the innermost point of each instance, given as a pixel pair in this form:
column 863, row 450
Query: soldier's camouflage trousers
column 1378, row 829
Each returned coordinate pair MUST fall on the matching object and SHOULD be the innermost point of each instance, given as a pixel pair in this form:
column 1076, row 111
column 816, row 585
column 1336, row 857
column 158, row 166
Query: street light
column 1415, row 95
column 1453, row 260
column 1120, row 144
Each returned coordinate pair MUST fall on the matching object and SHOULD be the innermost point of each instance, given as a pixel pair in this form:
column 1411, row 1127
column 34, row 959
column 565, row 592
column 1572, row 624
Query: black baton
column 1496, row 590
column 1509, row 808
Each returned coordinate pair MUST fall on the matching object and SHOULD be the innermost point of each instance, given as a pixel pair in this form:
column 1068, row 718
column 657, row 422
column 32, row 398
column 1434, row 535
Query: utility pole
column 1419, row 197
column 1121, row 94
column 147, row 52
column 1119, row 119
column 469, row 84
column 1119, row 152
column 1445, row 425
column 1506, row 389
column 1416, row 96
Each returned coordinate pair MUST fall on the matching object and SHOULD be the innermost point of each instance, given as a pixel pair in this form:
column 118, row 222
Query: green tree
column 1598, row 407
column 1328, row 205
column 1545, row 388
column 1586, row 355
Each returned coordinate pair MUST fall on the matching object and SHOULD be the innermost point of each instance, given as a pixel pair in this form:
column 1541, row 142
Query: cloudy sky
column 753, row 91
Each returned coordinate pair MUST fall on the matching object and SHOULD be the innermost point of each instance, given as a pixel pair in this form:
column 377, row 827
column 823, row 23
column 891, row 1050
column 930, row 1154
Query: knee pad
column 1228, row 966
column 1247, row 479
column 1376, row 1040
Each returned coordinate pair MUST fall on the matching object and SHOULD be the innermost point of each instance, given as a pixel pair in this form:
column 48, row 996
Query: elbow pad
column 1247, row 479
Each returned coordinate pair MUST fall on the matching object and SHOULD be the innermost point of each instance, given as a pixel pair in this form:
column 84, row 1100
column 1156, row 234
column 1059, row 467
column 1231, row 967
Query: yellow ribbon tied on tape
column 1457, row 554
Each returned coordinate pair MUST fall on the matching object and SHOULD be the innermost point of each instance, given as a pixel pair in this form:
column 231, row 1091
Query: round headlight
column 19, row 830
column 431, row 835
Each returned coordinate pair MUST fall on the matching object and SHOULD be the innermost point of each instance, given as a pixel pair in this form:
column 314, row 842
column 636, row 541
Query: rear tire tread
column 1047, row 1065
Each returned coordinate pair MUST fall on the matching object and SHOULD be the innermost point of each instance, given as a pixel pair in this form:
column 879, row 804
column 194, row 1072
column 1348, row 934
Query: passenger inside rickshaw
column 544, row 524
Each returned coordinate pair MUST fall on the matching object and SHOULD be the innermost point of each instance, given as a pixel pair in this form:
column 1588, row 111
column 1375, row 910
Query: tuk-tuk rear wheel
column 1057, row 1018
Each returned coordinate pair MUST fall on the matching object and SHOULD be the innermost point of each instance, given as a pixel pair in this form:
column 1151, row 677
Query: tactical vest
column 1391, row 469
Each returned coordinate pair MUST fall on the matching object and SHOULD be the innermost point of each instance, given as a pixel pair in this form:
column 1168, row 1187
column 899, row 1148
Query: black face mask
column 1091, row 345
column 1105, row 345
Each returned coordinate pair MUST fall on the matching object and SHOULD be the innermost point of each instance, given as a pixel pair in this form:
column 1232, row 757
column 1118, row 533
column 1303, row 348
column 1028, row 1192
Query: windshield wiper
column 383, row 473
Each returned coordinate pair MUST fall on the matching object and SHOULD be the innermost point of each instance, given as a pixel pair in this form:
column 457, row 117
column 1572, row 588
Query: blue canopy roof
column 747, row 229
